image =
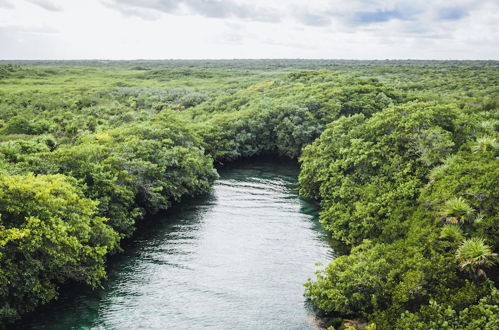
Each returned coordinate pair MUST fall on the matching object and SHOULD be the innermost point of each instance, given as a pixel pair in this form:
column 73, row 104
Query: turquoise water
column 234, row 259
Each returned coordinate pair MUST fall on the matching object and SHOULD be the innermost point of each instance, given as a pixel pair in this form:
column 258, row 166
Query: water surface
column 234, row 259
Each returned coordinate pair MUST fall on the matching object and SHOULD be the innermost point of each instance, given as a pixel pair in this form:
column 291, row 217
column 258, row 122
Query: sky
column 227, row 29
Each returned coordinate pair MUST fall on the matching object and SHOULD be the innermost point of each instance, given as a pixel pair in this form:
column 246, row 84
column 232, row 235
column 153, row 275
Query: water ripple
column 236, row 259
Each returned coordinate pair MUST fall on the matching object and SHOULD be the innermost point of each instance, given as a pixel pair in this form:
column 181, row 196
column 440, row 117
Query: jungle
column 402, row 157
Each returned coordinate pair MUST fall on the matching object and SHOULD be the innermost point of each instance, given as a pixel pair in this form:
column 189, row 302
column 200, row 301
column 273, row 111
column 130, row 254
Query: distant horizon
column 247, row 59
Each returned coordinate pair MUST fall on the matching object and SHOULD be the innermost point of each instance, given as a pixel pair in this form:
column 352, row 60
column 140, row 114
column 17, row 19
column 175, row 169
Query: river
column 234, row 259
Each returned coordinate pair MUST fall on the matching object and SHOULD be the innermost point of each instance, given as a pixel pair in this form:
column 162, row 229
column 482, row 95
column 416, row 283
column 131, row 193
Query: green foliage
column 121, row 174
column 382, row 280
column 485, row 144
column 49, row 233
column 473, row 256
column 294, row 128
column 456, row 210
column 369, row 172
column 133, row 170
column 250, row 133
column 400, row 153
column 285, row 115
column 396, row 179
column 481, row 315
column 451, row 233
column 416, row 281
column 233, row 135
column 469, row 180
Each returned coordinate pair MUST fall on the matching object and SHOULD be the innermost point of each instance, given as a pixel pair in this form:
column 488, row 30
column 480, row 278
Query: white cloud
column 6, row 4
column 46, row 4
column 357, row 29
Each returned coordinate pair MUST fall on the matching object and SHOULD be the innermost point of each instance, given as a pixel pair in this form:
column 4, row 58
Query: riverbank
column 237, row 256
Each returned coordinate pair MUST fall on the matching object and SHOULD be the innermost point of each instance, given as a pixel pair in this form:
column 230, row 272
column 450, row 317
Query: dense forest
column 401, row 155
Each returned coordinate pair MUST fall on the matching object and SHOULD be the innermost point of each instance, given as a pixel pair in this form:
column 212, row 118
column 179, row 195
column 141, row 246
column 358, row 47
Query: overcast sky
column 195, row 29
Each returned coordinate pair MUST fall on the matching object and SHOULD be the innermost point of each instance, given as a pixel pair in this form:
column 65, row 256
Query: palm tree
column 484, row 144
column 473, row 255
column 457, row 210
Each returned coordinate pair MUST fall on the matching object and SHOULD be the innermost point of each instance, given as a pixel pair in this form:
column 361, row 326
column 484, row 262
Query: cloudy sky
column 194, row 29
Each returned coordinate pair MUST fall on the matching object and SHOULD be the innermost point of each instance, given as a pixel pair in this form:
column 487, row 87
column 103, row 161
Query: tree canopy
column 402, row 157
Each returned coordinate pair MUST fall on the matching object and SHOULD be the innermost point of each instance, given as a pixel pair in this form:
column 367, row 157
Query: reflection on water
column 235, row 259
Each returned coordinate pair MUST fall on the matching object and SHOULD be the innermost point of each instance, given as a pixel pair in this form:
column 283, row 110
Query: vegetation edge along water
column 402, row 157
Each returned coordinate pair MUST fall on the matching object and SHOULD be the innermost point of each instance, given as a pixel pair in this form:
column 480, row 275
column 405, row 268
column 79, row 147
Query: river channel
column 236, row 258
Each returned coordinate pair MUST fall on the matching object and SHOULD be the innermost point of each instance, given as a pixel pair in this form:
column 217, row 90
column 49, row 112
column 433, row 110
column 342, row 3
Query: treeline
column 402, row 157
column 271, row 65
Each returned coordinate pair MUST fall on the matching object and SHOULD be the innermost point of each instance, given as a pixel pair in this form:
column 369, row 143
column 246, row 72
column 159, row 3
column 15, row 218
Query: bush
column 49, row 233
